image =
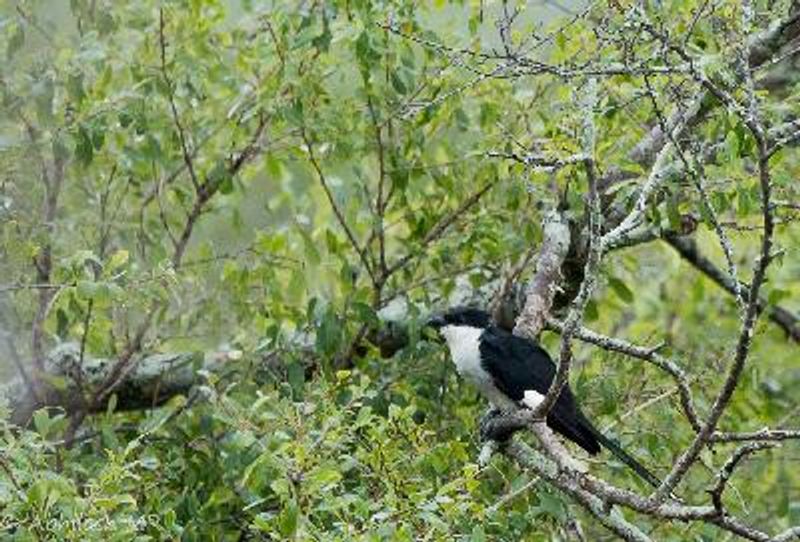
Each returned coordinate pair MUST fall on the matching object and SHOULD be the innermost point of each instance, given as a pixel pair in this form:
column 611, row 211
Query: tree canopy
column 223, row 225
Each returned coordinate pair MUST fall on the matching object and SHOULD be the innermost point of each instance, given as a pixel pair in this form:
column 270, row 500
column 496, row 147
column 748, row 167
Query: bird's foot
column 498, row 425
column 487, row 427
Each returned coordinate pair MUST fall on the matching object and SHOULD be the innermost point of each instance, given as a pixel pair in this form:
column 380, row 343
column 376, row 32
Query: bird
column 514, row 372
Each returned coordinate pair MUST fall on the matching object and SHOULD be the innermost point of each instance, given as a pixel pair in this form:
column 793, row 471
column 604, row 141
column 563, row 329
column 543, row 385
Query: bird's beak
column 433, row 325
column 436, row 322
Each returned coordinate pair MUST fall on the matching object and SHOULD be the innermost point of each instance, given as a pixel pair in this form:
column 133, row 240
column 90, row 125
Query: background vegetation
column 223, row 225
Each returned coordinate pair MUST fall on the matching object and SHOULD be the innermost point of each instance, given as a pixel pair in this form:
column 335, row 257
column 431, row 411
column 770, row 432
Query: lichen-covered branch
column 751, row 313
column 649, row 354
column 542, row 288
column 154, row 379
column 569, row 482
column 727, row 469
column 593, row 259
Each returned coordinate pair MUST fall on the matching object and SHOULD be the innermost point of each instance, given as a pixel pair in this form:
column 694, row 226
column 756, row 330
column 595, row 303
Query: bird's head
column 460, row 317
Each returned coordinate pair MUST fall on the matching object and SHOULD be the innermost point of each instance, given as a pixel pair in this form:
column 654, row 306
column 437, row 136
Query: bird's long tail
column 623, row 456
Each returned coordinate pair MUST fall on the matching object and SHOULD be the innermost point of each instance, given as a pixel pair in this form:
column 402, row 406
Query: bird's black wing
column 516, row 365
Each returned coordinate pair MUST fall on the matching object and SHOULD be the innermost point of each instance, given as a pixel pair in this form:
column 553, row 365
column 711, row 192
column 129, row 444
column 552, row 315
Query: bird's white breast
column 464, row 344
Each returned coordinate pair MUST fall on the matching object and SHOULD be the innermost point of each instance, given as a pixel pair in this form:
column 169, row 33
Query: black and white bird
column 513, row 372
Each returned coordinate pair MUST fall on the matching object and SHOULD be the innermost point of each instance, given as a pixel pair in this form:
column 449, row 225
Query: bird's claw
column 486, row 426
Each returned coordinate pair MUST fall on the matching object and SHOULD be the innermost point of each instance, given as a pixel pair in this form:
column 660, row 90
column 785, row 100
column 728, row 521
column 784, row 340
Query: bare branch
column 569, row 483
column 187, row 155
column 441, row 227
column 539, row 161
column 595, row 220
column 362, row 253
column 766, row 434
column 688, row 249
column 750, row 316
column 649, row 354
column 53, row 181
column 791, row 533
column 542, row 288
column 727, row 469
column 381, row 201
column 695, row 170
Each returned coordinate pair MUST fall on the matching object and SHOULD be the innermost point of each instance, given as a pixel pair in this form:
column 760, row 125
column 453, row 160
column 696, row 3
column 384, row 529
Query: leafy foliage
column 271, row 181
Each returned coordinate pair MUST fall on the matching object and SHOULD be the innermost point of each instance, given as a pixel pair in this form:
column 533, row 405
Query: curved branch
column 727, row 469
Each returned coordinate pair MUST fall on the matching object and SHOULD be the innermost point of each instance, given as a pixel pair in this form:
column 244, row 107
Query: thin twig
column 187, row 155
column 362, row 254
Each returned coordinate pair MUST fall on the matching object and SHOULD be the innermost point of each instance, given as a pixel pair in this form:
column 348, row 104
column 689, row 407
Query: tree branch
column 542, row 288
column 362, row 254
column 441, row 227
column 592, row 267
column 750, row 316
column 187, row 155
column 649, row 354
column 690, row 252
column 569, row 483
column 727, row 469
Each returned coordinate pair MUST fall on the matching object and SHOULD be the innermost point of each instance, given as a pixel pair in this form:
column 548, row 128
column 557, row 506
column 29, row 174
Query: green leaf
column 296, row 376
column 105, row 22
column 112, row 404
column 297, row 287
column 550, row 505
column 478, row 534
column 87, row 289
column 673, row 213
column 365, row 313
column 621, row 289
column 75, row 87
column 44, row 424
column 323, row 41
column 744, row 205
column 294, row 113
column 732, row 146
column 287, row 522
column 59, row 383
column 777, row 295
column 118, row 259
column 331, row 242
column 328, row 333
column 16, row 41
column 591, row 314
column 398, row 84
column 561, row 40
column 794, row 512
column 84, row 149
column 311, row 251
column 400, row 176
column 262, row 523
column 62, row 323
column 274, row 166
column 226, row 186
column 219, row 178
column 366, row 52
column 324, row 477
